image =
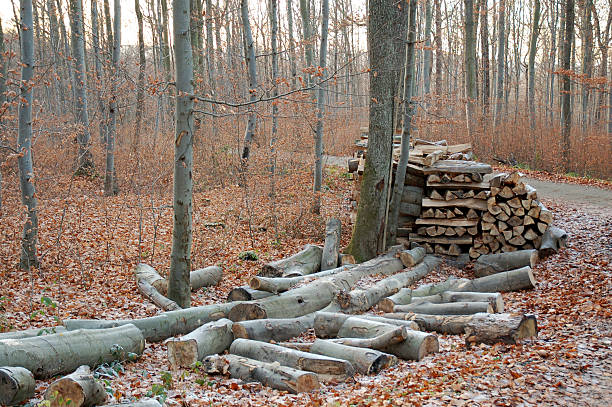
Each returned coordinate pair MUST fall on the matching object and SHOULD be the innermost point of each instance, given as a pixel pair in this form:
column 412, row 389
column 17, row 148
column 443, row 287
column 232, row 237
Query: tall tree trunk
column 306, row 36
column 566, row 86
column 85, row 165
column 54, row 38
column 179, row 289
column 408, row 113
column 439, row 50
column 165, row 40
column 29, row 237
column 484, row 49
column 318, row 175
column 470, row 65
column 110, row 183
column 273, row 15
column 98, row 67
column 501, row 62
column 428, row 53
column 554, row 16
column 140, row 106
column 210, row 64
column 249, row 55
column 369, row 227
column 533, row 48
column 3, row 73
column 587, row 59
column 292, row 62
column 196, row 25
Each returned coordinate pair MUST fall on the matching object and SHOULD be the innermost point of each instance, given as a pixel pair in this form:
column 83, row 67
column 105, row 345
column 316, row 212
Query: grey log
column 212, row 337
column 205, row 277
column 246, row 293
column 495, row 263
column 281, row 284
column 310, row 362
column 364, row 360
column 513, row 280
column 50, row 355
column 331, row 249
column 16, row 385
column 28, row 333
column 269, row 374
column 150, row 293
column 553, row 239
column 411, row 258
column 495, row 299
column 305, row 262
column 150, row 275
column 451, row 308
column 140, row 403
column 278, row 330
column 79, row 387
column 327, row 324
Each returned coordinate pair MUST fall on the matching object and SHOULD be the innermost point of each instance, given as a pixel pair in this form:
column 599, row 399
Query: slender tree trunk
column 318, row 176
column 140, row 106
column 196, row 25
column 553, row 58
column 306, row 36
column 533, row 48
column 501, row 62
column 292, row 62
column 210, row 64
column 439, row 50
column 165, row 40
column 249, row 53
column 54, row 38
column 179, row 289
column 427, row 58
column 3, row 73
column 470, row 65
column 110, row 183
column 98, row 67
column 273, row 15
column 484, row 45
column 587, row 60
column 566, row 87
column 29, row 237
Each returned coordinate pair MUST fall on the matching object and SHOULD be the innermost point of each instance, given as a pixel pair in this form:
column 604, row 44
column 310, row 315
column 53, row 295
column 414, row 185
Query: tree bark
column 142, row 65
column 533, row 49
column 470, row 64
column 489, row 264
column 411, row 258
column 140, row 403
column 61, row 353
column 364, row 360
column 206, row 277
column 495, row 299
column 246, row 293
column 305, row 262
column 566, row 85
column 331, row 249
column 249, row 55
column 29, row 333
column 281, row 284
column 110, row 182
column 501, row 64
column 144, row 272
column 318, row 175
column 484, row 49
column 211, row 338
column 269, row 374
column 451, row 308
column 266, row 330
column 553, row 239
column 327, row 324
column 149, row 292
column 79, row 387
column 180, row 266
column 16, row 385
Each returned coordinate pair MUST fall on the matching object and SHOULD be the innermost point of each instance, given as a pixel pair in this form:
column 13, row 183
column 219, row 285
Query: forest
column 305, row 202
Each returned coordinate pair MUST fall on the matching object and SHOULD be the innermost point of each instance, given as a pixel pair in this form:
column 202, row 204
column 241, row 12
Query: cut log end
column 247, row 312
column 16, row 385
column 429, row 346
column 182, row 353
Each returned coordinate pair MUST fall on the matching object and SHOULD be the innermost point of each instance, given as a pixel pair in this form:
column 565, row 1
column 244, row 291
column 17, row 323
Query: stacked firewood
column 514, row 218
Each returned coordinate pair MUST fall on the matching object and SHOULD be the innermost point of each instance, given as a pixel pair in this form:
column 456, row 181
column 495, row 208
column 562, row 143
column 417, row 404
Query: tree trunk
column 79, row 387
column 206, row 277
column 513, row 280
column 331, row 249
column 144, row 272
column 180, row 266
column 246, row 293
column 292, row 63
column 501, row 64
column 309, row 362
column 110, row 182
column 495, row 299
column 266, row 330
column 142, row 64
column 306, row 37
column 451, row 308
column 140, row 403
column 364, row 360
column 318, row 175
column 249, row 55
column 327, row 324
column 281, row 284
column 209, row 339
column 411, row 258
column 470, row 65
column 29, row 236
column 305, row 262
column 484, row 49
column 51, row 355
column 494, row 263
column 29, row 333
column 151, row 293
column 98, row 67
column 533, row 49
column 427, row 57
column 566, row 85
column 85, row 164
column 439, row 50
column 553, row 239
column 16, row 385
column 269, row 374
column 587, row 59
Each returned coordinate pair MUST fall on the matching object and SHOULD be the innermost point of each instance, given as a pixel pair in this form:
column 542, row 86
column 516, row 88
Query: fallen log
column 416, row 346
column 495, row 263
column 206, row 277
column 382, row 341
column 331, row 249
column 150, row 293
column 495, row 299
column 78, row 389
column 281, row 284
column 411, row 258
column 316, row 295
column 277, row 330
column 405, row 295
column 139, row 403
column 29, row 333
column 16, row 385
column 310, row 362
column 513, row 280
column 62, row 353
column 450, row 308
column 211, row 338
column 144, row 272
column 246, row 293
column 162, row 326
column 553, row 239
column 364, row 360
column 360, row 300
column 327, row 324
column 269, row 374
column 305, row 262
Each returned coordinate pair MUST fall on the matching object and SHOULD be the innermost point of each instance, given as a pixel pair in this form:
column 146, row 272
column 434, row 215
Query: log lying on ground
column 29, row 333
column 62, row 353
column 382, row 341
column 269, row 374
column 281, row 284
column 411, row 258
column 364, row 360
column 480, row 328
column 278, row 330
column 246, row 293
column 163, row 326
column 513, row 280
column 305, row 262
column 150, row 293
column 553, row 239
column 310, row 362
column 331, row 249
column 495, row 263
column 206, row 277
column 316, row 295
column 416, row 346
column 79, row 387
column 495, row 299
column 140, row 403
column 405, row 295
column 450, row 308
column 144, row 272
column 213, row 337
column 327, row 324
column 16, row 385
column 360, row 300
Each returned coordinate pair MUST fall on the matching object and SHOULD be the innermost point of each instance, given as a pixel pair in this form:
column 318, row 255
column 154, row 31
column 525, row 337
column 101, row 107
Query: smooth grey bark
column 484, row 49
column 408, row 113
column 438, row 42
column 566, row 85
column 292, row 62
column 3, row 72
column 180, row 267
column 55, row 58
column 29, row 237
column 501, row 49
column 110, row 183
column 470, row 65
column 368, row 235
column 85, row 165
column 331, row 248
column 427, row 54
column 80, row 387
column 273, row 15
column 249, row 56
column 142, row 64
column 210, row 63
column 306, row 37
column 98, row 68
column 16, row 385
column 318, row 173
column 166, row 57
column 587, row 59
column 212, row 337
column 533, row 44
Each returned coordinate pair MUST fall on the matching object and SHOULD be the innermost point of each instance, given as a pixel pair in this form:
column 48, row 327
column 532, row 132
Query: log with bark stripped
column 213, row 337
column 305, row 262
column 78, row 389
column 16, row 385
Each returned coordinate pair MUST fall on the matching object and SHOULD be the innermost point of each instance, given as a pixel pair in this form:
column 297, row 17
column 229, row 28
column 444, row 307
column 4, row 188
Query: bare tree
column 566, row 84
column 470, row 64
column 110, row 182
column 249, row 55
column 318, row 174
column 533, row 48
column 140, row 106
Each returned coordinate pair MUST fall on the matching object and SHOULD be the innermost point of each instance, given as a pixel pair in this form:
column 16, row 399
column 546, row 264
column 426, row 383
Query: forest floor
column 87, row 274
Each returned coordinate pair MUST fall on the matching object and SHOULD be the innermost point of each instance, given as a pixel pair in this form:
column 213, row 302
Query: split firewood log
column 56, row 354
column 16, row 385
column 307, row 261
column 331, row 249
column 553, row 239
column 246, row 293
column 277, row 330
column 306, row 361
column 79, row 387
column 210, row 338
column 281, row 284
column 495, row 299
column 495, row 263
column 450, row 308
column 269, row 374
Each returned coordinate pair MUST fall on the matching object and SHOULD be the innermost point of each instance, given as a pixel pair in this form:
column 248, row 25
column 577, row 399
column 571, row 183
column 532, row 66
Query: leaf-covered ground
column 89, row 244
